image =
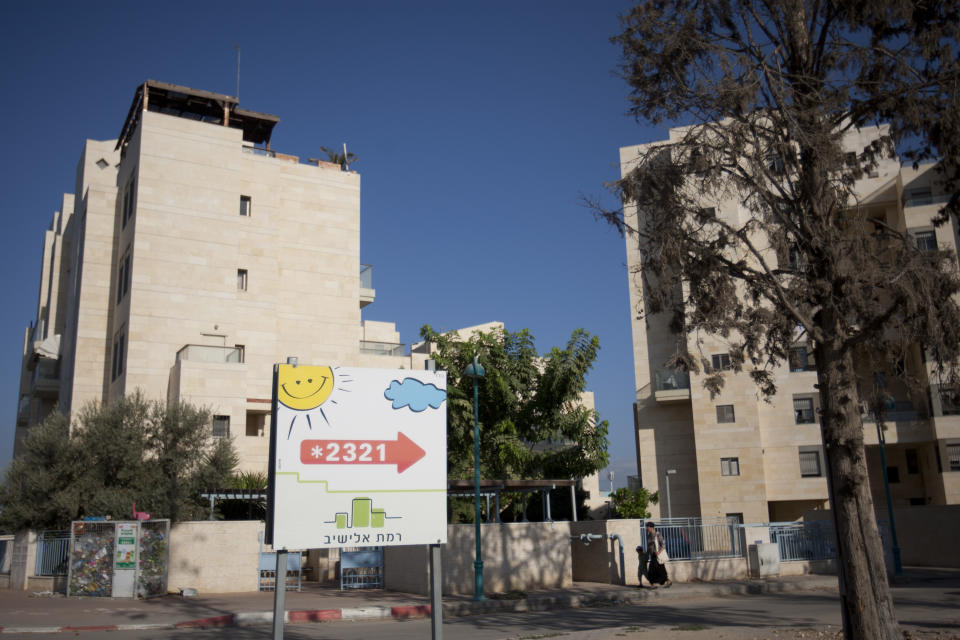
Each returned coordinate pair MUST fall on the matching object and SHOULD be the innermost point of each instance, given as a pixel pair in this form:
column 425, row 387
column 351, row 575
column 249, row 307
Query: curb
column 245, row 619
column 623, row 595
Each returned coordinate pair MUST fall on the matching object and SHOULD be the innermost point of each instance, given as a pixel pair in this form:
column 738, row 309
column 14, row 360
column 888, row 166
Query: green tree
column 532, row 423
column 632, row 503
column 766, row 90
column 133, row 450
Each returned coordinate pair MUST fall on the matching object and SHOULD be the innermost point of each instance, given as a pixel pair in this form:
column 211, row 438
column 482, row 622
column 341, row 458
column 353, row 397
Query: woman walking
column 657, row 552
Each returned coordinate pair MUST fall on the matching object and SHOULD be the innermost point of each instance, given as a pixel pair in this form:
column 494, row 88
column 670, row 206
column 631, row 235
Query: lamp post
column 670, row 472
column 475, row 370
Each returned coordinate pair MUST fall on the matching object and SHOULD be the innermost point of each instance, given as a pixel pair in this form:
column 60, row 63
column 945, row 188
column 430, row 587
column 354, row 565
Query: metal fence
column 361, row 568
column 699, row 538
column 53, row 547
column 803, row 540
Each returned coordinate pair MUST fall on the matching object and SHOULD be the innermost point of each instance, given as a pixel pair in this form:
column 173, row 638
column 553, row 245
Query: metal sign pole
column 436, row 593
column 279, row 594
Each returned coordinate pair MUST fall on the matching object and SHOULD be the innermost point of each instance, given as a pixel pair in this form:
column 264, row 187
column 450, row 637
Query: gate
column 52, row 551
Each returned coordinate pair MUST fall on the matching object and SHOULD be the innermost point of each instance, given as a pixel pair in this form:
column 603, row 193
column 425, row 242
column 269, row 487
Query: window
column 953, row 457
column 730, row 466
column 913, row 461
column 123, row 276
column 926, row 240
column 129, row 194
column 803, row 411
column 721, row 361
column 917, row 502
column 811, row 465
column 241, row 353
column 221, row 426
column 725, row 413
column 893, row 475
column 245, row 205
column 798, row 261
column 801, row 359
column 255, row 423
column 241, row 279
column 919, row 196
column 948, row 401
column 119, row 343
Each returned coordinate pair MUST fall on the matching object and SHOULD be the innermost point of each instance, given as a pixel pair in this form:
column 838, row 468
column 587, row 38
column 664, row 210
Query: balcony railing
column 381, row 348
column 366, row 276
column 208, row 353
column 672, row 380
column 671, row 385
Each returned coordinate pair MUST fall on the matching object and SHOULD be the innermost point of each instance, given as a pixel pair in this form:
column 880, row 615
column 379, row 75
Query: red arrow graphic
column 402, row 452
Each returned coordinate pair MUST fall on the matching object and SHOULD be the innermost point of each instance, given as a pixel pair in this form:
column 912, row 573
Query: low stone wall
column 516, row 556
column 213, row 556
column 927, row 535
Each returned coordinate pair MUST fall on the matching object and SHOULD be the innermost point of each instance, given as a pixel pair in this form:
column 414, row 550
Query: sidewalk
column 24, row 612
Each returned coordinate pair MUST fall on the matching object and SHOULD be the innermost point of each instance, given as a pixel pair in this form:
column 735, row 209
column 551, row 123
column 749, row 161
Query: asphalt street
column 929, row 611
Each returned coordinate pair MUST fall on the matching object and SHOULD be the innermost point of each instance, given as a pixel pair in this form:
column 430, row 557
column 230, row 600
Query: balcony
column 367, row 292
column 208, row 353
column 670, row 385
column 381, row 348
column 46, row 378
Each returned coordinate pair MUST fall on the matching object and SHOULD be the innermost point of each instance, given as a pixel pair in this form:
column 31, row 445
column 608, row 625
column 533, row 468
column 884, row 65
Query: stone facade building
column 738, row 455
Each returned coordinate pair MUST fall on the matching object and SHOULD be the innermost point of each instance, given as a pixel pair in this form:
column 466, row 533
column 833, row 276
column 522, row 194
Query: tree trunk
column 864, row 590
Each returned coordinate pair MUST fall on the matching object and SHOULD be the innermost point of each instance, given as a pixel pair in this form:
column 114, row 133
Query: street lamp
column 475, row 370
column 670, row 472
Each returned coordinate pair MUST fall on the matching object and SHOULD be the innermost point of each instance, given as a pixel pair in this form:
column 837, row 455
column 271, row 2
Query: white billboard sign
column 358, row 457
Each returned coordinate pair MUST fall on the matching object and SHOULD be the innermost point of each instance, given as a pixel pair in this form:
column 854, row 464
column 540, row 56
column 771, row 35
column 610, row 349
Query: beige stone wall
column 516, row 556
column 214, row 557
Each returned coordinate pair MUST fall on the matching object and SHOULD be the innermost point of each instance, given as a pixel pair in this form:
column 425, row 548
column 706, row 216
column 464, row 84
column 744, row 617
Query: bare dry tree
column 768, row 96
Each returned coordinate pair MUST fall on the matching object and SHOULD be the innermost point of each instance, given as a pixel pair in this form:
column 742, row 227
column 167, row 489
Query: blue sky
column 478, row 127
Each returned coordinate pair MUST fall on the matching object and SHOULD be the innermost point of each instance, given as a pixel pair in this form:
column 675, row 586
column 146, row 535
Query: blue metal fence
column 699, row 538
column 803, row 540
column 53, row 548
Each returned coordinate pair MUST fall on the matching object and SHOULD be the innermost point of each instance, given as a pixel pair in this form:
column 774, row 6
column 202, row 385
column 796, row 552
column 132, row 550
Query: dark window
column 725, row 413
column 241, row 353
column 221, row 426
column 917, row 502
column 893, row 475
column 255, row 423
column 948, row 402
column 810, row 466
column 803, row 411
column 245, row 205
column 801, row 359
column 123, row 276
column 953, row 456
column 926, row 240
column 913, row 461
column 919, row 196
column 730, row 466
column 119, row 343
column 129, row 196
column 241, row 279
column 721, row 361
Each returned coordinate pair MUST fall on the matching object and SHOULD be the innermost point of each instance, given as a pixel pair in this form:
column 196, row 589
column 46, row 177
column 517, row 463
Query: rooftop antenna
column 237, row 47
column 346, row 165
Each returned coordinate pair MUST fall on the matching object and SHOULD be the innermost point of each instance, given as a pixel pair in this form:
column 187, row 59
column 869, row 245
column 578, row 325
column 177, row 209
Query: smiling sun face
column 304, row 388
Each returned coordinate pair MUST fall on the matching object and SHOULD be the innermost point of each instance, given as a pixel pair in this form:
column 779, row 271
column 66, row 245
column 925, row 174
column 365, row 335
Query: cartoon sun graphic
column 306, row 388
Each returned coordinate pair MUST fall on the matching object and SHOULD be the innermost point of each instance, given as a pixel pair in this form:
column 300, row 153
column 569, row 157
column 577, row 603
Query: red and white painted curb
column 244, row 619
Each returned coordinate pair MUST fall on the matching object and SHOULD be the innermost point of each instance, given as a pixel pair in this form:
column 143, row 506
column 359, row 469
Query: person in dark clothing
column 657, row 551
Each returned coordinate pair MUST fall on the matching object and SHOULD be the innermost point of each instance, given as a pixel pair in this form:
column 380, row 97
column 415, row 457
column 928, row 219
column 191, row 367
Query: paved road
column 934, row 612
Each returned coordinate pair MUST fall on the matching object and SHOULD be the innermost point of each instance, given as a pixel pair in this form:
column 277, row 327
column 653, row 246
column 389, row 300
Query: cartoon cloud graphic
column 414, row 394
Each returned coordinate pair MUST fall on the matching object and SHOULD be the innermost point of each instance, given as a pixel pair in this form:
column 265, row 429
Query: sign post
column 358, row 458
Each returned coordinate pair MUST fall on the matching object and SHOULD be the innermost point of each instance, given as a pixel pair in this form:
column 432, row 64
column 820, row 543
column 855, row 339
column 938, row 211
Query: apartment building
column 738, row 455
column 190, row 258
